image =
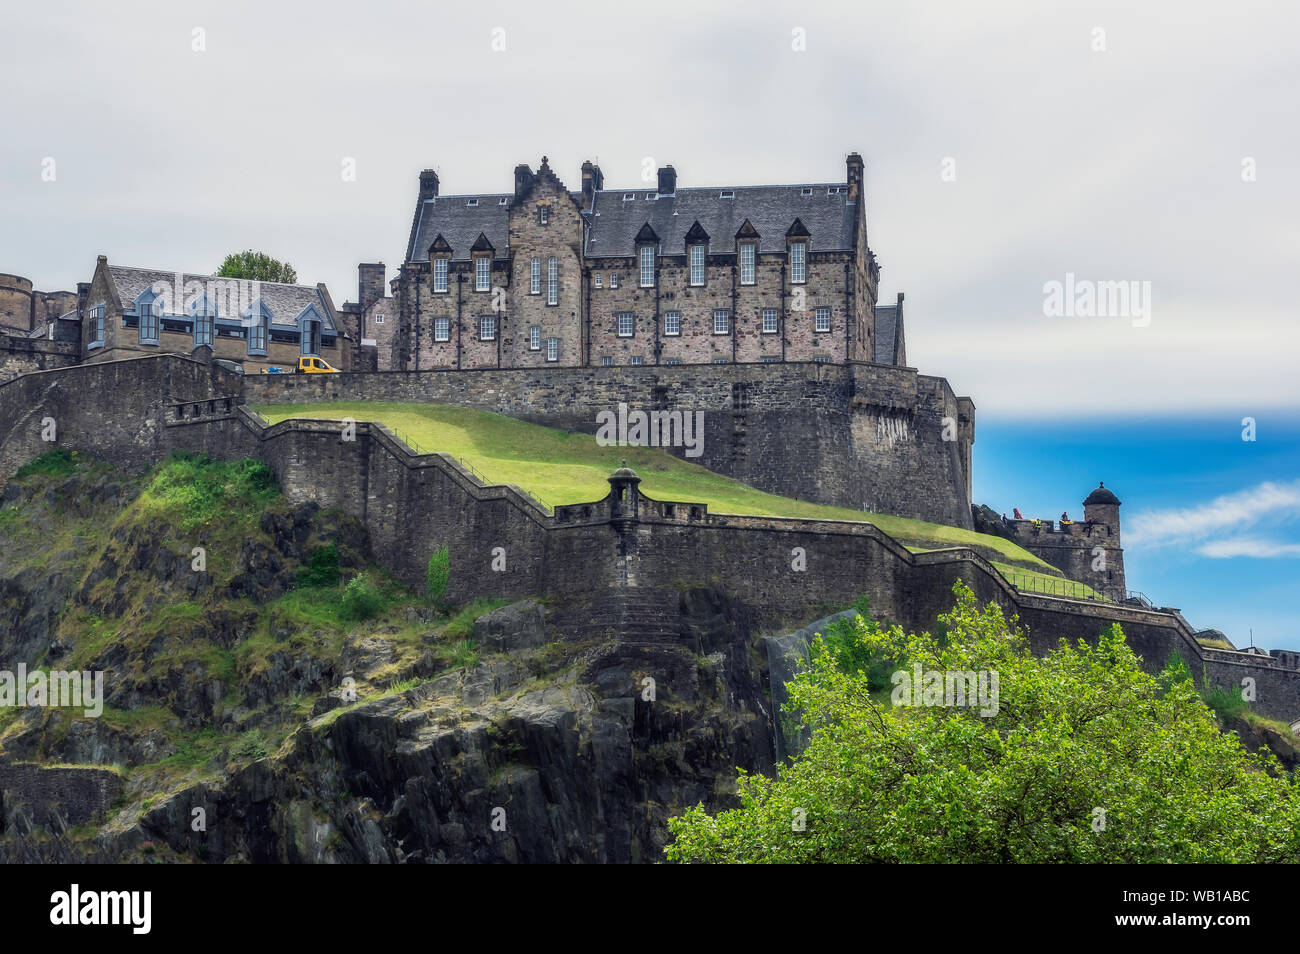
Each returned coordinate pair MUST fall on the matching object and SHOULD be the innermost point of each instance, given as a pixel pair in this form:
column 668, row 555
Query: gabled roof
column 770, row 211
column 822, row 209
column 889, row 335
column 285, row 302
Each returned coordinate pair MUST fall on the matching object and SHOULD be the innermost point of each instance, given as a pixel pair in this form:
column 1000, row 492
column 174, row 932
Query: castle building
column 1087, row 551
column 542, row 275
column 24, row 310
column 128, row 311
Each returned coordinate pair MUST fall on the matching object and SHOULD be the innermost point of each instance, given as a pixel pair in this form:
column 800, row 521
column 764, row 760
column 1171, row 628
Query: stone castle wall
column 867, row 437
column 413, row 503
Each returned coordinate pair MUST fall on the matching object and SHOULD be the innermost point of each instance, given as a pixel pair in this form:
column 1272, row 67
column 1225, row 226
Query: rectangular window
column 552, row 349
column 487, row 328
column 535, row 278
column 482, row 273
column 721, row 321
column 821, row 319
column 606, row 362
column 552, row 281
column 600, row 280
column 439, row 274
column 379, row 319
column 544, row 214
column 613, row 280
column 647, row 266
column 672, row 361
column 442, row 329
column 722, row 361
column 636, row 359
column 672, row 323
column 697, row 264
column 148, row 325
column 626, row 324
column 202, row 329
column 97, row 324
column 771, row 358
column 770, row 318
column 747, row 264
column 798, row 262
column 535, row 338
column 257, row 336
column 822, row 359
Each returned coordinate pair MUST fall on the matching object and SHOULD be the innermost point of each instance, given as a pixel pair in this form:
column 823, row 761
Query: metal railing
column 1070, row 589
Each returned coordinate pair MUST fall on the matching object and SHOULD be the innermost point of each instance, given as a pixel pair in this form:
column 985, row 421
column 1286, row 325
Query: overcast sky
column 1117, row 164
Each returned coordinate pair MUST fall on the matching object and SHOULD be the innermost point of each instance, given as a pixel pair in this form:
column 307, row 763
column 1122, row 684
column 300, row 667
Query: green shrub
column 322, row 569
column 438, row 573
column 197, row 489
column 361, row 599
column 250, row 746
column 55, row 463
column 463, row 654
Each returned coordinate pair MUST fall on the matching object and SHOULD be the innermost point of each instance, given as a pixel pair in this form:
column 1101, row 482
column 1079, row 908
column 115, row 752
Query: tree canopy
column 257, row 267
column 1087, row 759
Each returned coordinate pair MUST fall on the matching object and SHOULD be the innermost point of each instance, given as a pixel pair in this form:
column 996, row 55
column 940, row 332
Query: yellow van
column 308, row 365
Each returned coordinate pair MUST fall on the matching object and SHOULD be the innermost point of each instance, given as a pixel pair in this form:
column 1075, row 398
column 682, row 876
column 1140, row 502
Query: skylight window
column 727, row 194
column 629, row 196
column 472, row 202
column 805, row 191
column 501, row 201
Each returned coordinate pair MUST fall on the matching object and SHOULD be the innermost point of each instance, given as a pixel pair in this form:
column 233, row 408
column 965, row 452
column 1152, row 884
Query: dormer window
column 204, row 316
column 747, row 259
column 257, row 334
column 798, row 262
column 697, row 264
column 482, row 273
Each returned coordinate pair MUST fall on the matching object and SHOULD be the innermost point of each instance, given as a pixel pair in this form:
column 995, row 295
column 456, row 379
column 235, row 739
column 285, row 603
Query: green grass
column 193, row 490
column 562, row 468
column 1034, row 582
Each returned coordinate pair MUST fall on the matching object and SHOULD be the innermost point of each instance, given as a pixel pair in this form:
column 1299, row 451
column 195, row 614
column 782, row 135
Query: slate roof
column 1101, row 496
column 285, row 302
column 886, row 334
column 614, row 222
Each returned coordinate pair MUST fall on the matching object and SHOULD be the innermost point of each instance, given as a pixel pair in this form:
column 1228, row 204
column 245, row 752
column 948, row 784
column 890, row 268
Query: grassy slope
column 562, row 468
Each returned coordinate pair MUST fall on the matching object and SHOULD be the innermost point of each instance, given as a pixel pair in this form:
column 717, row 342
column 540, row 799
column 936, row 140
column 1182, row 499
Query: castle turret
column 1101, row 509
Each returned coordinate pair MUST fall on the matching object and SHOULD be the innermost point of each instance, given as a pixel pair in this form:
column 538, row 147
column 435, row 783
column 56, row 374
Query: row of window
column 204, row 331
column 626, row 325
column 696, row 259
column 637, row 359
column 626, row 322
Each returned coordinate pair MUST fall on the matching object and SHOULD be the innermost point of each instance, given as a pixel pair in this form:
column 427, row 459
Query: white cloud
column 1231, row 512
column 1248, row 547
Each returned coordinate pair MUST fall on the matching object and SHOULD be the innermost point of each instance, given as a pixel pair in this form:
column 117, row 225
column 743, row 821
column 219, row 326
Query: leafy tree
column 257, row 267
column 1080, row 732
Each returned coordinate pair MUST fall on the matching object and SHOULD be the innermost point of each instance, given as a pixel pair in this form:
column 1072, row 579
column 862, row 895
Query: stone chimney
column 856, row 170
column 428, row 184
column 370, row 283
column 667, row 181
column 523, row 179
column 593, row 180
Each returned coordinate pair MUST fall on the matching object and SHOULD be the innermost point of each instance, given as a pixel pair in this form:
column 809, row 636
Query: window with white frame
column 552, row 281
column 552, row 349
column 771, row 358
column 697, row 264
column 606, row 362
column 148, row 323
column 672, row 361
column 821, row 319
column 442, row 329
column 440, row 274
column 821, row 359
column 721, row 321
column 544, row 214
column 747, row 263
column 798, row 262
column 647, row 266
column 626, row 324
column 636, row 359
column 599, row 279
column 482, row 273
column 534, row 338
column 771, row 318
column 379, row 319
column 613, row 280
column 672, row 323
column 487, row 328
column 722, row 361
column 535, row 277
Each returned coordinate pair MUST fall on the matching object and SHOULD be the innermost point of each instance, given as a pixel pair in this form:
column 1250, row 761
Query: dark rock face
column 988, row 520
